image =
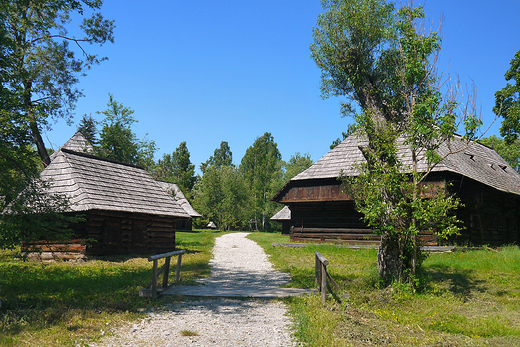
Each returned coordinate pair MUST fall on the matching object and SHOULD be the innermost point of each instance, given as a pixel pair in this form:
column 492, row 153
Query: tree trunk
column 389, row 260
column 38, row 141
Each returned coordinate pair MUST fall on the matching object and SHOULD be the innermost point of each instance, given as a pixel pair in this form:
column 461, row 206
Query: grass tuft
column 189, row 333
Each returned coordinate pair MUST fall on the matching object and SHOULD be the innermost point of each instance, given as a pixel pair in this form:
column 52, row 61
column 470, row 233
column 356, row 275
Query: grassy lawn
column 464, row 299
column 60, row 303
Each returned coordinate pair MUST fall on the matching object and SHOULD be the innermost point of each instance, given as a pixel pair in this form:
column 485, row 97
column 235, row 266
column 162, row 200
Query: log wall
column 124, row 232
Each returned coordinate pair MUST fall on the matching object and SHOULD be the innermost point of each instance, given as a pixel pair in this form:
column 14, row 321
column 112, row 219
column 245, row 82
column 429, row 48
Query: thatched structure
column 125, row 210
column 486, row 184
column 174, row 191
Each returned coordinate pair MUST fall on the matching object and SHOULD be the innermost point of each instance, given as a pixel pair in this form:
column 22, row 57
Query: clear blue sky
column 206, row 71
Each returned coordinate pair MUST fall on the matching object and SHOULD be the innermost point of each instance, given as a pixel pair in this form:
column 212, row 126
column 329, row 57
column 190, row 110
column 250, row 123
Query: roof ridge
column 92, row 156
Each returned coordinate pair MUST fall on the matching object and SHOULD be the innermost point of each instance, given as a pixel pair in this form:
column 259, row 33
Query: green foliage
column 88, row 127
column 509, row 152
column 41, row 69
column 177, row 168
column 26, row 212
column 222, row 196
column 507, row 102
column 261, row 167
column 375, row 56
column 222, row 156
column 118, row 141
column 298, row 163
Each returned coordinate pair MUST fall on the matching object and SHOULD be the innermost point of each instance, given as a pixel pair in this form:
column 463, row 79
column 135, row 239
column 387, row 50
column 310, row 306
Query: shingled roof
column 78, row 143
column 469, row 159
column 178, row 196
column 283, row 215
column 94, row 183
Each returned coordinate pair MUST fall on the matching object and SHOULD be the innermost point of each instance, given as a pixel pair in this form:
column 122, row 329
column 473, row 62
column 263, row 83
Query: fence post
column 154, row 279
column 166, row 271
column 323, row 282
column 321, row 274
column 178, row 272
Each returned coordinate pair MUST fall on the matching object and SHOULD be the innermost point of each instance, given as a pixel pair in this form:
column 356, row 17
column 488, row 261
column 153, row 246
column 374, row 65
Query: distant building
column 283, row 216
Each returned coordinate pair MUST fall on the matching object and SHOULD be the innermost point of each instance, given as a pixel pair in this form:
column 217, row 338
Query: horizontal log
column 337, row 236
column 157, row 234
column 164, row 255
column 334, row 230
column 321, row 258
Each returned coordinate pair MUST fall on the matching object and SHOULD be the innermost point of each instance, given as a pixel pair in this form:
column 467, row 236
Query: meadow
column 464, row 298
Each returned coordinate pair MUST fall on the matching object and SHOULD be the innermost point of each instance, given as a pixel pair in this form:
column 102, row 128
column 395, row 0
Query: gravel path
column 237, row 262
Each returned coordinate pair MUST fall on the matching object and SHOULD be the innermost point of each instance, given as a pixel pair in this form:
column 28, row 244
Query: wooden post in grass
column 320, row 264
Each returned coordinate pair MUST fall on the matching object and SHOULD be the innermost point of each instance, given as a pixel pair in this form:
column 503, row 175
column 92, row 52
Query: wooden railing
column 321, row 264
column 154, row 291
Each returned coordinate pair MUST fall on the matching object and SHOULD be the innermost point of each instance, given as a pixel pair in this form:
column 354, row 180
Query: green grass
column 464, row 299
column 60, row 303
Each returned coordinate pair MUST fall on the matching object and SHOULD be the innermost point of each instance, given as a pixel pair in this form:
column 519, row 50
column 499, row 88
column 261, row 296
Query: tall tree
column 45, row 70
column 21, row 189
column 261, row 167
column 222, row 195
column 374, row 56
column 222, row 156
column 177, row 168
column 88, row 127
column 507, row 102
column 118, row 141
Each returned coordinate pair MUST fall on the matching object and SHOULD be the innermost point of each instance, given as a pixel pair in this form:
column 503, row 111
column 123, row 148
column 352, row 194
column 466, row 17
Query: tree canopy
column 261, row 166
column 296, row 164
column 177, row 168
column 507, row 102
column 118, row 141
column 222, row 195
column 222, row 156
column 42, row 70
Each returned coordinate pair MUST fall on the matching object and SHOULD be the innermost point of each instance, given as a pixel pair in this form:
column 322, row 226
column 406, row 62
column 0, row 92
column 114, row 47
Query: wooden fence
column 321, row 264
column 165, row 270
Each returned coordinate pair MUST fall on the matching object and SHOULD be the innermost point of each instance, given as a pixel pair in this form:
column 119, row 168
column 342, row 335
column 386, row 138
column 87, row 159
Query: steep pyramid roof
column 78, row 143
column 94, row 183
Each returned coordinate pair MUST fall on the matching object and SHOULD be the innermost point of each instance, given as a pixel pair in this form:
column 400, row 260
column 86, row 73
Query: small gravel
column 237, row 262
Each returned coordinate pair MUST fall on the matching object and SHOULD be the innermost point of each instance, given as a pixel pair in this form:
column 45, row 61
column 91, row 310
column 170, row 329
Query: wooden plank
column 321, row 258
column 164, row 255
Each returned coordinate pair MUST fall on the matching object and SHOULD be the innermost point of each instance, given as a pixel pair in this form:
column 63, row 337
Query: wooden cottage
column 125, row 210
column 174, row 191
column 488, row 187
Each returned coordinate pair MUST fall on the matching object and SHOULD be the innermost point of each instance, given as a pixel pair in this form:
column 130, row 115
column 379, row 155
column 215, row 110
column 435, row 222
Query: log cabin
column 125, row 210
column 487, row 186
